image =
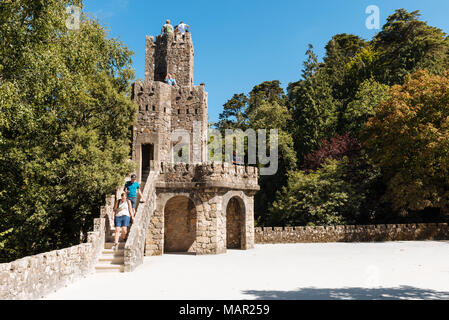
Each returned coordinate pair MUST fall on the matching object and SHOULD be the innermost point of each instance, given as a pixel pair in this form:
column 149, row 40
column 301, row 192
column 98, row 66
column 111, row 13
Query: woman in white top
column 123, row 211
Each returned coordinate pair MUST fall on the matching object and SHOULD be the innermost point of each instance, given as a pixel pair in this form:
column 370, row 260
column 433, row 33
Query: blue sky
column 241, row 43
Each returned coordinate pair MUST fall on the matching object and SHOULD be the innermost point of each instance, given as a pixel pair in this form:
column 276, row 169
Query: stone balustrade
column 135, row 245
column 35, row 276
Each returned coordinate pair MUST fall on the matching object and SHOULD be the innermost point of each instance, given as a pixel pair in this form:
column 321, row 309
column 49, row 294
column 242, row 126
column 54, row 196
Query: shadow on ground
column 400, row 293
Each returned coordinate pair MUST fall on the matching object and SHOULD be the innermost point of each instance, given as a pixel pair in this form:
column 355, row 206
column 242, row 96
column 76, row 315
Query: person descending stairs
column 112, row 257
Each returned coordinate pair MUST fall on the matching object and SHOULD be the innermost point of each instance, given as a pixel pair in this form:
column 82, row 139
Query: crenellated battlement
column 178, row 40
column 210, row 175
column 180, row 97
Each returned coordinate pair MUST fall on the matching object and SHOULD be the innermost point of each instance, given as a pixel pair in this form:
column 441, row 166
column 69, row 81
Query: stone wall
column 189, row 113
column 164, row 109
column 368, row 233
column 153, row 123
column 35, row 276
column 212, row 208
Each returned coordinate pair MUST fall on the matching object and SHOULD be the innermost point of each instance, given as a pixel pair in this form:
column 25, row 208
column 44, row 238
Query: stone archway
column 235, row 223
column 180, row 221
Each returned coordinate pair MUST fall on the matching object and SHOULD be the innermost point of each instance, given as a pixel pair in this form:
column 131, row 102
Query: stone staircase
column 114, row 260
column 111, row 260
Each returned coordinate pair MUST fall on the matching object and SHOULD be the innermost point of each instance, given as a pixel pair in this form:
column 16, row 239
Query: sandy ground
column 391, row 270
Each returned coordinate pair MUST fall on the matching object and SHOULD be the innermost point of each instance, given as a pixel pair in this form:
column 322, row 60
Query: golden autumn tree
column 408, row 139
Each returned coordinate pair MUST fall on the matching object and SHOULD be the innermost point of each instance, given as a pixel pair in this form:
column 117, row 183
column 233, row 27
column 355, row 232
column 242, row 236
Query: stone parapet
column 135, row 245
column 35, row 276
column 350, row 233
column 208, row 175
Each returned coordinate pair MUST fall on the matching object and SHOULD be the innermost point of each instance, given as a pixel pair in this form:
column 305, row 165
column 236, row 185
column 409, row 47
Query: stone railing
column 36, row 276
column 367, row 233
column 216, row 174
column 135, row 245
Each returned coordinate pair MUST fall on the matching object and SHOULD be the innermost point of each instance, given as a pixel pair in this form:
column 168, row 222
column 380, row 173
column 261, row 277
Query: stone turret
column 199, row 207
column 163, row 108
column 170, row 54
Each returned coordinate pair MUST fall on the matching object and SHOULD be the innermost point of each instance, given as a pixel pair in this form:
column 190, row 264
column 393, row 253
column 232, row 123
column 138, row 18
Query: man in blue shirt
column 132, row 188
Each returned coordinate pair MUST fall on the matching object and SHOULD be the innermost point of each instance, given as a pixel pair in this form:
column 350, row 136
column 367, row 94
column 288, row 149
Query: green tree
column 314, row 107
column 273, row 116
column 268, row 91
column 408, row 139
column 339, row 51
column 64, row 126
column 368, row 98
column 234, row 113
column 407, row 44
column 265, row 107
column 321, row 197
column 337, row 97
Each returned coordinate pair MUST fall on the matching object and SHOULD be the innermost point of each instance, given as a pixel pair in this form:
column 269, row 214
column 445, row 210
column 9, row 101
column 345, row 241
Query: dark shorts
column 133, row 202
column 122, row 221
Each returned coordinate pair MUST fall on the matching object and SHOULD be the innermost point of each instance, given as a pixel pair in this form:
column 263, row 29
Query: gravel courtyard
column 390, row 270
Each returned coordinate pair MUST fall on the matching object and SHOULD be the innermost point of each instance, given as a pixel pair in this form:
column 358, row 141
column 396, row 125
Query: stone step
column 104, row 260
column 109, row 245
column 109, row 268
column 112, row 239
column 116, row 253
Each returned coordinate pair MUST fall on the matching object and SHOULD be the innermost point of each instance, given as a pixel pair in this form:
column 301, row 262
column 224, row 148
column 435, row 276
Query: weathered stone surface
column 170, row 54
column 369, row 233
column 35, row 276
column 136, row 243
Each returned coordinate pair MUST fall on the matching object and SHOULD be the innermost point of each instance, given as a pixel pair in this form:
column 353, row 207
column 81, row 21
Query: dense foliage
column 365, row 130
column 409, row 139
column 64, row 125
column 321, row 197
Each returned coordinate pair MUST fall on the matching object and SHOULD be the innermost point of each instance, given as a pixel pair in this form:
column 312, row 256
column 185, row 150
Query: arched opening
column 147, row 162
column 147, row 158
column 235, row 223
column 179, row 225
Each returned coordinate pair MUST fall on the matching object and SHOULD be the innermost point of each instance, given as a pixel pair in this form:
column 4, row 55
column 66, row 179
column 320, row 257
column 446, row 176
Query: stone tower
column 198, row 207
column 164, row 109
